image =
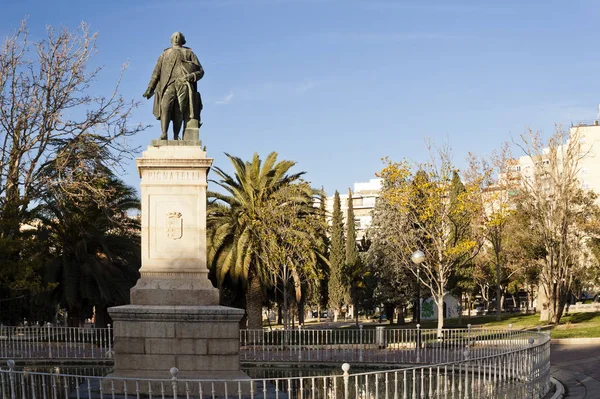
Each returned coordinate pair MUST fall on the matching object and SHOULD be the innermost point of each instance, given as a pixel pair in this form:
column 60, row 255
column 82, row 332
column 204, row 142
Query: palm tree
column 242, row 243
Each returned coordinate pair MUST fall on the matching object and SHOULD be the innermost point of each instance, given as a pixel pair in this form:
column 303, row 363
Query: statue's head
column 177, row 39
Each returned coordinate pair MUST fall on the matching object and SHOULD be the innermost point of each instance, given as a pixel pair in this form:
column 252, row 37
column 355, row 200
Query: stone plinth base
column 201, row 341
column 177, row 289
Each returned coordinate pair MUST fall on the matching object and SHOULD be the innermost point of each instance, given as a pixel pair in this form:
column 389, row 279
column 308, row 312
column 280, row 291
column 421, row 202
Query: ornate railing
column 469, row 363
column 379, row 345
column 50, row 342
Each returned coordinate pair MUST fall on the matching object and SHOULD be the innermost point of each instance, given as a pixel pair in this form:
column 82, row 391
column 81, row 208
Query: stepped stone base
column 201, row 341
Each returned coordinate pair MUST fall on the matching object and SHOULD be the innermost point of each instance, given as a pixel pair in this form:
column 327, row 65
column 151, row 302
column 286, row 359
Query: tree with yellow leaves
column 440, row 220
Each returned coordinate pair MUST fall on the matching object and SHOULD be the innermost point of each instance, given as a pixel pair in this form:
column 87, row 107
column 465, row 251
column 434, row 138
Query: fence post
column 11, row 377
column 381, row 344
column 418, row 343
column 345, row 368
column 49, row 328
column 531, row 362
column 469, row 335
column 467, row 355
column 299, row 343
column 360, row 338
column 174, row 372
column 109, row 339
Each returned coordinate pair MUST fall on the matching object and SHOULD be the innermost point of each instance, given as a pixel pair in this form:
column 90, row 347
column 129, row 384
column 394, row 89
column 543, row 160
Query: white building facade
column 364, row 196
column 589, row 164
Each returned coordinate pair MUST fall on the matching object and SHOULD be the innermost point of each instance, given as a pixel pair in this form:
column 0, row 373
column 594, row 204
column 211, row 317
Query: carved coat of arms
column 174, row 225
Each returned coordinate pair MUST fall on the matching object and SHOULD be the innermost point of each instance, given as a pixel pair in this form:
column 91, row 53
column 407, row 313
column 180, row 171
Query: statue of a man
column 174, row 83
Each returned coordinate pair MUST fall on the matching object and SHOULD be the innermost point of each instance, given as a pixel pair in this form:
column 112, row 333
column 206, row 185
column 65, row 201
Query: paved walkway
column 577, row 366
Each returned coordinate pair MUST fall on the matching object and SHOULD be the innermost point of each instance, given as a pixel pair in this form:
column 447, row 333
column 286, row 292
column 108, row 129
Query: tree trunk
column 544, row 304
column 400, row 317
column 389, row 312
column 279, row 314
column 468, row 307
column 499, row 296
column 561, row 300
column 440, row 310
column 319, row 312
column 254, row 302
column 286, row 310
column 301, row 311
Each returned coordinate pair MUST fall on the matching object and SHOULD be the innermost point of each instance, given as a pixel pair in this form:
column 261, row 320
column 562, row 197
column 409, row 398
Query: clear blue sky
column 338, row 84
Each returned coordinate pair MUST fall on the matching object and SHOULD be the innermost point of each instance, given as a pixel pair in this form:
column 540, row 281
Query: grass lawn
column 575, row 325
column 578, row 325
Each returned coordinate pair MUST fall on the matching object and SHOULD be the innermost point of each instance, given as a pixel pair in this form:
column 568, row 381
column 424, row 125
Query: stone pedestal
column 201, row 341
column 174, row 319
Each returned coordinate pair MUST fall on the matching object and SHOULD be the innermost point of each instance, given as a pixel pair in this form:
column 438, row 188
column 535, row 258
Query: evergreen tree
column 322, row 265
column 337, row 258
column 351, row 249
column 353, row 266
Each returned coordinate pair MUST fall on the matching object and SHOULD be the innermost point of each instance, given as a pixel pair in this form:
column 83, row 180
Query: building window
column 369, row 201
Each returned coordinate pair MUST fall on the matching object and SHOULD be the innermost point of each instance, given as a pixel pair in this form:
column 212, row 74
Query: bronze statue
column 174, row 83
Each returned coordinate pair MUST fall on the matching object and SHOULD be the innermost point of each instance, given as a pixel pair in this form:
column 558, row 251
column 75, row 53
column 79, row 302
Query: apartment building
column 589, row 165
column 364, row 196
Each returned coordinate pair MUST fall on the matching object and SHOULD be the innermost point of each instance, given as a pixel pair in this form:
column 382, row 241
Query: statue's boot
column 164, row 124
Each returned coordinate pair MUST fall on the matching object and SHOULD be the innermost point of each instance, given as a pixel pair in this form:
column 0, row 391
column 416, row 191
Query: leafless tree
column 557, row 210
column 47, row 107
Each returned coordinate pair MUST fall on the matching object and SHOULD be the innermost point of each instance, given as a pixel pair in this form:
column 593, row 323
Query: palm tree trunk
column 301, row 305
column 254, row 302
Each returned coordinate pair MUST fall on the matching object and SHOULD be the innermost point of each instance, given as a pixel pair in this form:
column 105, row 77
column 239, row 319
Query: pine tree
column 353, row 272
column 351, row 249
column 337, row 258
